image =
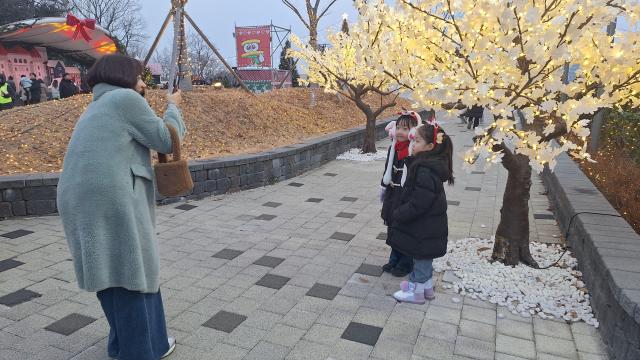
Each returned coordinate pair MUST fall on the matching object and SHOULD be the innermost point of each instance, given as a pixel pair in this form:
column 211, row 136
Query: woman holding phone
column 106, row 199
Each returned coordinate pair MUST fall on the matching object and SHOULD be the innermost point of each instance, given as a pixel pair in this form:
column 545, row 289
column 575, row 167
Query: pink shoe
column 429, row 294
column 413, row 295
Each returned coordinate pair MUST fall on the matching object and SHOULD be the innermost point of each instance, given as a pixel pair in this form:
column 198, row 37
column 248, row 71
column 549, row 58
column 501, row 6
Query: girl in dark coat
column 399, row 264
column 419, row 227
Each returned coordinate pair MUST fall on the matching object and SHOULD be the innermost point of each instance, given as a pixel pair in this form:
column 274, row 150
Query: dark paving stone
column 330, row 174
column 186, row 207
column 314, row 200
column 472, row 188
column 225, row 321
column 362, row 333
column 346, row 215
column 70, row 324
column 266, row 217
column 349, row 199
column 478, row 172
column 273, row 281
column 271, row 204
column 295, row 184
column 453, row 203
column 228, row 254
column 323, row 291
column 18, row 297
column 382, row 236
column 9, row 264
column 368, row 269
column 342, row 236
column 269, row 261
column 16, row 234
column 543, row 217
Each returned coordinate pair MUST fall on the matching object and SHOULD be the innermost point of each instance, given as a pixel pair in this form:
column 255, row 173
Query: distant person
column 25, row 89
column 13, row 90
column 6, row 100
column 106, row 200
column 36, row 89
column 474, row 114
column 84, row 87
column 67, row 87
column 54, row 89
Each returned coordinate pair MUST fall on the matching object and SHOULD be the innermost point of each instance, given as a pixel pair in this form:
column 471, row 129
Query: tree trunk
column 512, row 236
column 313, row 34
column 370, row 135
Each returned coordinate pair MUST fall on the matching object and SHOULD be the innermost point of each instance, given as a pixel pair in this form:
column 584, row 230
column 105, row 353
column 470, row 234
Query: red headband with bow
column 81, row 26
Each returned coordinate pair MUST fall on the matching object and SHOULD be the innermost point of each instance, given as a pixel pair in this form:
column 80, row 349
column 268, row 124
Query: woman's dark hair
column 407, row 120
column 117, row 70
column 430, row 133
column 54, row 83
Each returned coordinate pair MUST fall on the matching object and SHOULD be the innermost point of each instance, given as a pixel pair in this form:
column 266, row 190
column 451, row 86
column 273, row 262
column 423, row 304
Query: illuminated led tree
column 351, row 66
column 511, row 57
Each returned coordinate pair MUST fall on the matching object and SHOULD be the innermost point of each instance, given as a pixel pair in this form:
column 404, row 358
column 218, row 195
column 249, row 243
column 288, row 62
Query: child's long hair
column 443, row 145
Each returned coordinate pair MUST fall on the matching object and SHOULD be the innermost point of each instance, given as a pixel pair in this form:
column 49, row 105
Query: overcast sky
column 217, row 19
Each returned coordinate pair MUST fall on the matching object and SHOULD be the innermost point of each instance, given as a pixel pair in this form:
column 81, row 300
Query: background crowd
column 32, row 90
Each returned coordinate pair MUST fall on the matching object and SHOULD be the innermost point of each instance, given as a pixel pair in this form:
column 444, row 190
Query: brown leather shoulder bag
column 173, row 178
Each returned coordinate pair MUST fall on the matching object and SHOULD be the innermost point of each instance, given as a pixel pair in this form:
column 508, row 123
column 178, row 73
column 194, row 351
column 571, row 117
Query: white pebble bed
column 557, row 292
column 357, row 155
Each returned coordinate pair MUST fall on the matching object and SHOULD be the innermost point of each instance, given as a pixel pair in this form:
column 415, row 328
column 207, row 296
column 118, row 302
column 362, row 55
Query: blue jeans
column 138, row 329
column 422, row 270
column 400, row 261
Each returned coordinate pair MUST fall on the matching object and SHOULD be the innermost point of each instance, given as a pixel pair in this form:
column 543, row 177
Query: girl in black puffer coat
column 399, row 264
column 419, row 228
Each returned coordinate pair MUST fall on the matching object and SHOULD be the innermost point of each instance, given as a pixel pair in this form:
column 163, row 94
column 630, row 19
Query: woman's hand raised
column 175, row 98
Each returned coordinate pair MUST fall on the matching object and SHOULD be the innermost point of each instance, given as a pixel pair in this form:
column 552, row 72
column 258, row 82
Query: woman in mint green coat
column 106, row 200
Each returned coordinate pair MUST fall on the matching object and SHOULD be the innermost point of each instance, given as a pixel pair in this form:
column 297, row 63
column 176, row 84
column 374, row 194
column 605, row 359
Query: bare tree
column 120, row 17
column 204, row 63
column 314, row 14
column 163, row 57
column 11, row 11
column 138, row 50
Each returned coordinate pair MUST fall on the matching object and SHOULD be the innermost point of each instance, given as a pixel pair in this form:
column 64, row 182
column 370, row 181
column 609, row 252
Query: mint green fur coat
column 106, row 195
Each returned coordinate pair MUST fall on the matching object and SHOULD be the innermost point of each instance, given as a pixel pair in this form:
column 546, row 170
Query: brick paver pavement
column 284, row 272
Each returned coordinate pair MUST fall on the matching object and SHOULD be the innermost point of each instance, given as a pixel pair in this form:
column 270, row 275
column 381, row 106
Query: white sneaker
column 410, row 292
column 172, row 347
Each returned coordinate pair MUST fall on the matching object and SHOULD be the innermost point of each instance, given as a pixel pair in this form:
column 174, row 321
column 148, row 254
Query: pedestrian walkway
column 289, row 271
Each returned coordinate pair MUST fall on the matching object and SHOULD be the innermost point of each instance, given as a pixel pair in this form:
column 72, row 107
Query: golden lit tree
column 352, row 67
column 511, row 57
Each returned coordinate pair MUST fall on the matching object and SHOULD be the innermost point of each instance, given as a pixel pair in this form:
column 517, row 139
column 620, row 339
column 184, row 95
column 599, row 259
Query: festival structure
column 255, row 53
column 40, row 45
column 180, row 74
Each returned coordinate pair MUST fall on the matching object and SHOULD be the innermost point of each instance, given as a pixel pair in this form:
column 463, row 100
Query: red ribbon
column 81, row 26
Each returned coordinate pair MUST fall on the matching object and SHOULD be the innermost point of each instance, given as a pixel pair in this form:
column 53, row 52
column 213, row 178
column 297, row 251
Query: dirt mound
column 34, row 138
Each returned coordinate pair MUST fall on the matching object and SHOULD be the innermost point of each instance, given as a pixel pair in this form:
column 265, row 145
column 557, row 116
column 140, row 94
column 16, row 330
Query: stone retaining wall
column 608, row 250
column 35, row 194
